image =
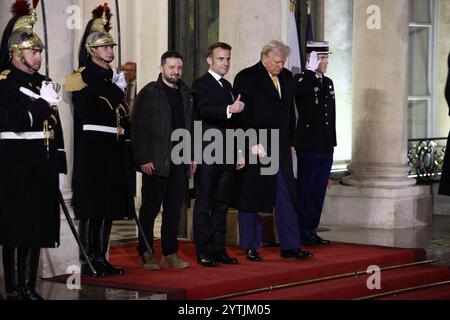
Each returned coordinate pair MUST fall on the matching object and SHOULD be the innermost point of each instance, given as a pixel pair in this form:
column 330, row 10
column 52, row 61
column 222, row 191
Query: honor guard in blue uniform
column 31, row 155
column 103, row 163
column 315, row 139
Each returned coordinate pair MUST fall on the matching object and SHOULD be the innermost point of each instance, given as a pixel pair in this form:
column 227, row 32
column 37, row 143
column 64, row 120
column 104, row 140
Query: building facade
column 389, row 65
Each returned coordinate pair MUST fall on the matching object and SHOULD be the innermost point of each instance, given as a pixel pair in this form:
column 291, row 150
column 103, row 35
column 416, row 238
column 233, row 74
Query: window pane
column 420, row 11
column 418, row 62
column 417, row 119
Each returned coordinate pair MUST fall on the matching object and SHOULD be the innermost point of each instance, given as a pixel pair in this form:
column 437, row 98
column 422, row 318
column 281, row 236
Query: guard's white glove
column 314, row 62
column 49, row 94
column 62, row 180
column 119, row 80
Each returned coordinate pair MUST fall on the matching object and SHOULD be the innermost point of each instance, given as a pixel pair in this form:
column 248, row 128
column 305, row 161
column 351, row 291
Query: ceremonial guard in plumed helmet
column 31, row 155
column 103, row 165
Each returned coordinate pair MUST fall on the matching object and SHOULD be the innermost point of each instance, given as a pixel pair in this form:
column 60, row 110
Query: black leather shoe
column 319, row 241
column 253, row 255
column 97, row 272
column 296, row 254
column 225, row 258
column 206, row 261
column 30, row 294
column 109, row 269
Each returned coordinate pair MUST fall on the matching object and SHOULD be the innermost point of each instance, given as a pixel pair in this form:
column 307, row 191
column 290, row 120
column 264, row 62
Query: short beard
column 172, row 81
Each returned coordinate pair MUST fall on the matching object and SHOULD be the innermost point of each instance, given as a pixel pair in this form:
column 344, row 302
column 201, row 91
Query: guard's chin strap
column 25, row 62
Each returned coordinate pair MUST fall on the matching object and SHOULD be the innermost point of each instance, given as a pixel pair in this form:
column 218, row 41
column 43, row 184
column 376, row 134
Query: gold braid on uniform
column 74, row 81
column 4, row 74
column 125, row 112
column 107, row 101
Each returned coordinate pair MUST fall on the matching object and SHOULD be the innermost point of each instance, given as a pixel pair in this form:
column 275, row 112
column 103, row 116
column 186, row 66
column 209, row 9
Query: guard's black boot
column 30, row 263
column 11, row 266
column 87, row 237
column 103, row 243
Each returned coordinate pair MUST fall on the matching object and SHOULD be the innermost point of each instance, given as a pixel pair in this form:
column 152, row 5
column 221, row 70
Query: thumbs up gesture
column 238, row 106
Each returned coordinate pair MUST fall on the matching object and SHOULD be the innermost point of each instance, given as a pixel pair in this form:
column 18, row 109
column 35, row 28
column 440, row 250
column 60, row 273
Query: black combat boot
column 102, row 249
column 29, row 271
column 87, row 237
column 11, row 265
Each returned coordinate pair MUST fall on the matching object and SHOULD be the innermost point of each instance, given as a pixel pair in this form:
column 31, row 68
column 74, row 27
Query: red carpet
column 202, row 283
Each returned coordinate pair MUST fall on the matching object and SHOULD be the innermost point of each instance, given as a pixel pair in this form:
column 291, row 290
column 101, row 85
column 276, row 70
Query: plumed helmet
column 19, row 34
column 96, row 33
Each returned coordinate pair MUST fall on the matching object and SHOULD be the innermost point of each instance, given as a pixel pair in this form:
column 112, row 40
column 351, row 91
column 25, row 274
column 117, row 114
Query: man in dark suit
column 316, row 139
column 161, row 108
column 267, row 90
column 215, row 106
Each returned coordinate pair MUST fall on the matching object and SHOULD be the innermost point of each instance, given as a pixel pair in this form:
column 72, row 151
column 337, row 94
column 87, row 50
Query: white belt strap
column 26, row 135
column 113, row 130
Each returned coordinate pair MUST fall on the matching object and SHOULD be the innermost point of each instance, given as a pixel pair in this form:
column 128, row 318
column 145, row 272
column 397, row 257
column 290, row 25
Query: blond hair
column 277, row 46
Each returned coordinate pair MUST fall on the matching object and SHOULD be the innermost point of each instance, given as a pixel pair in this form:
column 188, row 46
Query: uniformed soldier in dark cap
column 315, row 139
column 31, row 156
column 103, row 165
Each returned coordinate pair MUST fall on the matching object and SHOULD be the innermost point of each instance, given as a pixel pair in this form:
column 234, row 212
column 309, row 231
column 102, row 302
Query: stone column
column 443, row 50
column 338, row 29
column 442, row 203
column 247, row 26
column 151, row 40
column 60, row 48
column 378, row 193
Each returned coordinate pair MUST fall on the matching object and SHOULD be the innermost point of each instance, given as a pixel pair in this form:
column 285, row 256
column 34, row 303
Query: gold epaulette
column 74, row 81
column 4, row 74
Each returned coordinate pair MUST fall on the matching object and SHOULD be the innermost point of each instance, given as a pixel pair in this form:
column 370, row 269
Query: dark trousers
column 169, row 192
column 213, row 183
column 286, row 216
column 286, row 219
column 250, row 230
column 313, row 175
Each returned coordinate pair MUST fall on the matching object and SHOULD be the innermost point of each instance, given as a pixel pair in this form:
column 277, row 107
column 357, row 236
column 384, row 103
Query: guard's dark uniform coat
column 103, row 163
column 316, row 103
column 29, row 209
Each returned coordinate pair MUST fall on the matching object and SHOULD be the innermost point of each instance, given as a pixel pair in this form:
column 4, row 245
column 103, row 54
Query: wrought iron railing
column 426, row 157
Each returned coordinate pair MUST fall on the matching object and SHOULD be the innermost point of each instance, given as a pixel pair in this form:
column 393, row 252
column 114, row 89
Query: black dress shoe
column 97, row 272
column 296, row 254
column 206, row 261
column 253, row 255
column 109, row 269
column 319, row 241
column 30, row 294
column 225, row 258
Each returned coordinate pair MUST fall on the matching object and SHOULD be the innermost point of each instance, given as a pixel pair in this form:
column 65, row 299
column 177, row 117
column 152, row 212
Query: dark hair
column 214, row 46
column 170, row 54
